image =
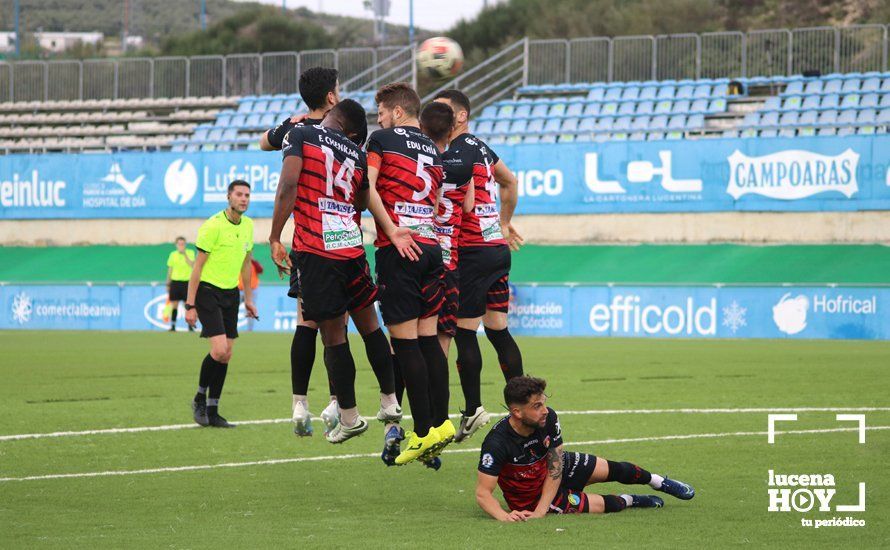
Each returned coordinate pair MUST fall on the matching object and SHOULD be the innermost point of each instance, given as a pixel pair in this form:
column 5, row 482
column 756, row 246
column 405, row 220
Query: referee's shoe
column 199, row 409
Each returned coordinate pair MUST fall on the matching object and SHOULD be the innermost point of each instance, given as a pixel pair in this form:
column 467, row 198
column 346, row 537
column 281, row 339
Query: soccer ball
column 440, row 57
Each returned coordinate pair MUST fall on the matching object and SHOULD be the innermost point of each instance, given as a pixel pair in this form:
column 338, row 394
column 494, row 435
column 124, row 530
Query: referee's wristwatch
column 189, row 306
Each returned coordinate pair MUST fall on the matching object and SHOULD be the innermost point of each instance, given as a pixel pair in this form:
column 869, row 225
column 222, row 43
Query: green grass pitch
column 70, row 381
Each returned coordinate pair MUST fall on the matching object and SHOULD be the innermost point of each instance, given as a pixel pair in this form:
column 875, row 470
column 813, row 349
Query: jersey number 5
column 422, row 162
column 446, row 203
column 343, row 179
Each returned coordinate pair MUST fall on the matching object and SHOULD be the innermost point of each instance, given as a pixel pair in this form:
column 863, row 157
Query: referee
column 224, row 246
column 179, row 269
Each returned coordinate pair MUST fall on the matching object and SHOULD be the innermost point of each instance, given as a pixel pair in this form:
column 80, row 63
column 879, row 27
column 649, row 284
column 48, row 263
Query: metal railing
column 775, row 52
column 205, row 75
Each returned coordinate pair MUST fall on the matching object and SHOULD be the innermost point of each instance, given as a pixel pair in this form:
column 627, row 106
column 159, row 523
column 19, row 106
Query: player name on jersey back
column 334, row 172
column 481, row 226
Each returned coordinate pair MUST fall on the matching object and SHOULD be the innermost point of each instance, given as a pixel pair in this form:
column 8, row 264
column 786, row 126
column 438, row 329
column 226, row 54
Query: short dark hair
column 236, row 183
column 456, row 97
column 354, row 118
column 520, row 389
column 179, row 239
column 399, row 94
column 315, row 83
column 436, row 121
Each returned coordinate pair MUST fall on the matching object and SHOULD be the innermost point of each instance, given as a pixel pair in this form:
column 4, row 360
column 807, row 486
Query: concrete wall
column 734, row 227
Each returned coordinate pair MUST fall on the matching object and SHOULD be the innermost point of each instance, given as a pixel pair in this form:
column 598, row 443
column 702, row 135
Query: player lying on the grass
column 320, row 90
column 523, row 455
column 324, row 180
column 224, row 244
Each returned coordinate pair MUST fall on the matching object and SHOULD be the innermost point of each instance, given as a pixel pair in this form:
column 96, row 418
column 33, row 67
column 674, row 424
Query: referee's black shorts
column 178, row 291
column 217, row 310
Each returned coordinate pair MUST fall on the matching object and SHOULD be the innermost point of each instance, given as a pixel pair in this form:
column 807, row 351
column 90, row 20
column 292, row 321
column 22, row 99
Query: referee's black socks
column 414, row 369
column 509, row 356
column 437, row 367
column 217, row 381
column 206, row 377
column 469, row 367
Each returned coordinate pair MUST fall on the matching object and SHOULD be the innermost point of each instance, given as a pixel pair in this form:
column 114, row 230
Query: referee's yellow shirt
column 226, row 244
column 181, row 270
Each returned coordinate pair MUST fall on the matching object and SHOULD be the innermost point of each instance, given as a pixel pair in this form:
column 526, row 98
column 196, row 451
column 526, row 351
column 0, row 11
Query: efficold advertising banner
column 708, row 175
column 859, row 313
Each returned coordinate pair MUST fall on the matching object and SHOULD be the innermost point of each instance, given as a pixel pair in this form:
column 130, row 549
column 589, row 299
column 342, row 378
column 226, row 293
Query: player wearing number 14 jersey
column 405, row 173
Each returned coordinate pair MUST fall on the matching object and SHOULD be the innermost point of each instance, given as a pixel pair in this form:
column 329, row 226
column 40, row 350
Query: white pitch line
column 270, row 462
column 174, row 427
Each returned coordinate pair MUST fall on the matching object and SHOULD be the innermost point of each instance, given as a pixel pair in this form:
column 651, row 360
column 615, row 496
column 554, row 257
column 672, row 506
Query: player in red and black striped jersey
column 486, row 238
column 324, row 180
column 523, row 455
column 320, row 91
column 405, row 174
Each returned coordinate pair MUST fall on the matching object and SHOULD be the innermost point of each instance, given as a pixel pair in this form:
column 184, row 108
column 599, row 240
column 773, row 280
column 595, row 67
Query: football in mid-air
column 440, row 57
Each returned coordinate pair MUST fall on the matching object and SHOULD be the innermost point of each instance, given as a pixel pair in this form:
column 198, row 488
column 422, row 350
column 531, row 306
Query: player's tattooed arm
column 551, row 483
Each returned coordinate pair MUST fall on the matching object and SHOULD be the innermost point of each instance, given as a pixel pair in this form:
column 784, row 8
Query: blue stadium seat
column 609, row 108
column 268, row 120
column 720, row 90
column 484, row 127
column 885, row 100
column 569, row 125
column 675, row 134
column 684, row 92
column 587, row 124
column 788, row 119
column 813, row 87
column 751, row 119
column 748, row 133
column 699, row 106
column 540, row 109
column 200, row 134
column 640, row 123
column 596, row 94
column 663, row 107
column 718, row 105
column 613, row 93
column 583, row 138
column 497, row 140
column 884, row 116
column 630, row 93
column 518, row 126
column 806, row 131
column 795, row 87
column 826, row 131
column 622, row 123
column 846, row 131
column 566, row 138
column 867, row 116
column 771, row 118
column 851, row 85
column 575, row 108
column 506, row 111
column 787, row 132
column 730, row 133
column 811, row 102
column 215, row 134
column 229, row 134
column 850, row 100
column 832, row 86
column 654, row 136
column 846, row 117
column 649, row 92
column 552, row 125
column 772, row 104
column 536, row 125
column 627, row 108
column 238, row 121
column 866, row 130
column 513, row 139
column 872, row 84
column 502, row 126
column 826, row 118
column 658, row 122
column 666, row 92
column 869, row 100
column 274, row 105
column 532, row 138
column 490, row 111
column 637, row 136
column 677, row 122
column 645, row 108
column 701, row 91
column 808, row 117
column 592, row 109
column 550, row 138
column 681, row 106
column 771, row 132
column 618, row 136
column 885, row 85
column 291, row 105
column 695, row 122
column 604, row 124
column 223, row 120
column 245, row 106
column 523, row 111
column 793, row 102
column 831, row 101
column 557, row 109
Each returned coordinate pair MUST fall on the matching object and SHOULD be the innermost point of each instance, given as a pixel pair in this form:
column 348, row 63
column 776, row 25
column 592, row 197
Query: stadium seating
column 835, row 104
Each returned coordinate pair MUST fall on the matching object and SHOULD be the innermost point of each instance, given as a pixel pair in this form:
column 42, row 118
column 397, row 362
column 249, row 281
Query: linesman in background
column 224, row 244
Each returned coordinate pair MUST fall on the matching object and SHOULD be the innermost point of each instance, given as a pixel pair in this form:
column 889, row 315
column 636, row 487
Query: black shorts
column 448, row 315
column 217, row 310
column 329, row 288
column 409, row 290
column 484, row 276
column 178, row 291
column 570, row 497
column 294, row 290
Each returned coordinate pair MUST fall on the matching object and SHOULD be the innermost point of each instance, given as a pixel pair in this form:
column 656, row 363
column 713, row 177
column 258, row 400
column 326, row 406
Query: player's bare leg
column 341, row 366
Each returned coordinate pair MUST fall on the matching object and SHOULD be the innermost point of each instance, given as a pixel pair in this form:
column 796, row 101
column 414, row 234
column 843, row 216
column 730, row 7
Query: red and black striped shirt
column 334, row 170
column 482, row 226
column 409, row 180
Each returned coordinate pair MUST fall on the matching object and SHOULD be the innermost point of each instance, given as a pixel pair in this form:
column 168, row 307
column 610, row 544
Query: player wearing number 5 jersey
column 486, row 238
column 405, row 173
column 324, row 178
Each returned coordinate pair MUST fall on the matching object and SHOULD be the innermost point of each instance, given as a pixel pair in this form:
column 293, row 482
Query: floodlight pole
column 411, row 21
column 203, row 15
column 18, row 36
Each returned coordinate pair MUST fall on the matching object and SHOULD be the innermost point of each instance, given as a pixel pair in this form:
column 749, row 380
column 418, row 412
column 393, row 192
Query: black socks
column 509, row 356
column 627, row 473
column 302, row 357
column 469, row 367
column 377, row 350
column 341, row 368
column 414, row 371
column 437, row 367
